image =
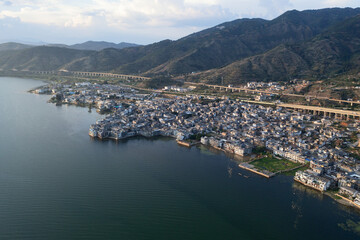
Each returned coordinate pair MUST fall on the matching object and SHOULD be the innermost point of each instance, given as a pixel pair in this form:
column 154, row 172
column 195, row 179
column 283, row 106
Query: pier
column 251, row 168
column 187, row 144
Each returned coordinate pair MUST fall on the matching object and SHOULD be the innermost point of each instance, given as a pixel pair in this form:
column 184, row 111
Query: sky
column 135, row 21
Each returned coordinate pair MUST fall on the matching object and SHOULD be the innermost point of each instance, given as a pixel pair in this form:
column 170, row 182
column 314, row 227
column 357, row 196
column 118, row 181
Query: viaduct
column 95, row 74
column 326, row 112
column 246, row 90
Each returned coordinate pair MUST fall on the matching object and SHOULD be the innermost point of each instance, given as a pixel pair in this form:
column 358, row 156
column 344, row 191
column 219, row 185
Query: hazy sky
column 138, row 21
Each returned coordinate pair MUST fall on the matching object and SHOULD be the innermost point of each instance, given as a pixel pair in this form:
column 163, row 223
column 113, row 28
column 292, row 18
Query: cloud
column 122, row 13
column 340, row 3
column 39, row 12
column 155, row 13
column 147, row 20
column 272, row 7
column 5, row 3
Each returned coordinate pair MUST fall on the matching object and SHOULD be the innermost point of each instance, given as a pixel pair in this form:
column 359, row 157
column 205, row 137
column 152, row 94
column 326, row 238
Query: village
column 231, row 125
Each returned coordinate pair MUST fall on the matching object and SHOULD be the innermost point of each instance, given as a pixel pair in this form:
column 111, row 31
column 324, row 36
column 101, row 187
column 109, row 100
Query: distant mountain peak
column 100, row 45
column 8, row 46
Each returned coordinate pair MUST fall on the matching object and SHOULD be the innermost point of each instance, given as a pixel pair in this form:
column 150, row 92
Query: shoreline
column 348, row 201
column 251, row 168
column 188, row 144
column 343, row 201
column 305, row 184
column 242, row 165
column 150, row 135
column 179, row 142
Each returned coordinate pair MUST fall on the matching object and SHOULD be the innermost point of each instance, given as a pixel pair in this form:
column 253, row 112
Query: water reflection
column 230, row 170
column 301, row 189
column 351, row 226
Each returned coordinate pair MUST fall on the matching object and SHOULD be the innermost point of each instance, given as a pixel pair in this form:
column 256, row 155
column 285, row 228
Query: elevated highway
column 326, row 112
column 246, row 90
column 94, row 74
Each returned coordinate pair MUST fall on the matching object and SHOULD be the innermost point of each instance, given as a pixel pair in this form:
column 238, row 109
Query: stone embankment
column 251, row 168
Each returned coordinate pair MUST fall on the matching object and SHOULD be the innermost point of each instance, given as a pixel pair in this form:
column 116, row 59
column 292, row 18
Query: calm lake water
column 57, row 183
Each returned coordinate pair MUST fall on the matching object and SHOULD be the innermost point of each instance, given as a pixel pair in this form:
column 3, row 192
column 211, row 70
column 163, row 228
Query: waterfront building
column 311, row 179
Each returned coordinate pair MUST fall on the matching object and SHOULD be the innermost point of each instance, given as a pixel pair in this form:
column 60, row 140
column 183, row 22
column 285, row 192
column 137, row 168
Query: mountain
column 287, row 46
column 41, row 58
column 222, row 44
column 331, row 53
column 56, row 56
column 94, row 45
column 60, row 45
column 13, row 46
column 97, row 46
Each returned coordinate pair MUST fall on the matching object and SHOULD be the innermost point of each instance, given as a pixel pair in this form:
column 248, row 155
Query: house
column 309, row 178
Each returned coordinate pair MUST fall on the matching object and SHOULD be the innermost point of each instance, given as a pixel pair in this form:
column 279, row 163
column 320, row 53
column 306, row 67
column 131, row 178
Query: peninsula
column 325, row 143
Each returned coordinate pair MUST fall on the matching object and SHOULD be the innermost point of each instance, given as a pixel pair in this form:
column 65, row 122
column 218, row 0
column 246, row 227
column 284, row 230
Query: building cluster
column 294, row 84
column 103, row 97
column 238, row 127
column 178, row 89
column 351, row 194
column 269, row 86
column 230, row 125
column 312, row 179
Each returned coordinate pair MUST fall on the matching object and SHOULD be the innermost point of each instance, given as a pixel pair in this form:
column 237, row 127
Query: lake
column 58, row 183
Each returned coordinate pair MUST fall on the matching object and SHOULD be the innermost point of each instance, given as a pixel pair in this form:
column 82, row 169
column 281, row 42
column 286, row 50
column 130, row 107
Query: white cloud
column 337, row 2
column 45, row 13
column 147, row 19
column 131, row 13
column 201, row 2
column 122, row 13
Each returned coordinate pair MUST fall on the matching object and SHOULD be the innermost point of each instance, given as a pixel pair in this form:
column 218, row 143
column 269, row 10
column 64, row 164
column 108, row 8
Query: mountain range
column 297, row 44
column 334, row 52
column 89, row 45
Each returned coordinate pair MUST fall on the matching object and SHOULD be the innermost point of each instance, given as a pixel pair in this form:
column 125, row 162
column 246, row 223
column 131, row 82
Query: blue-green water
column 57, row 183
